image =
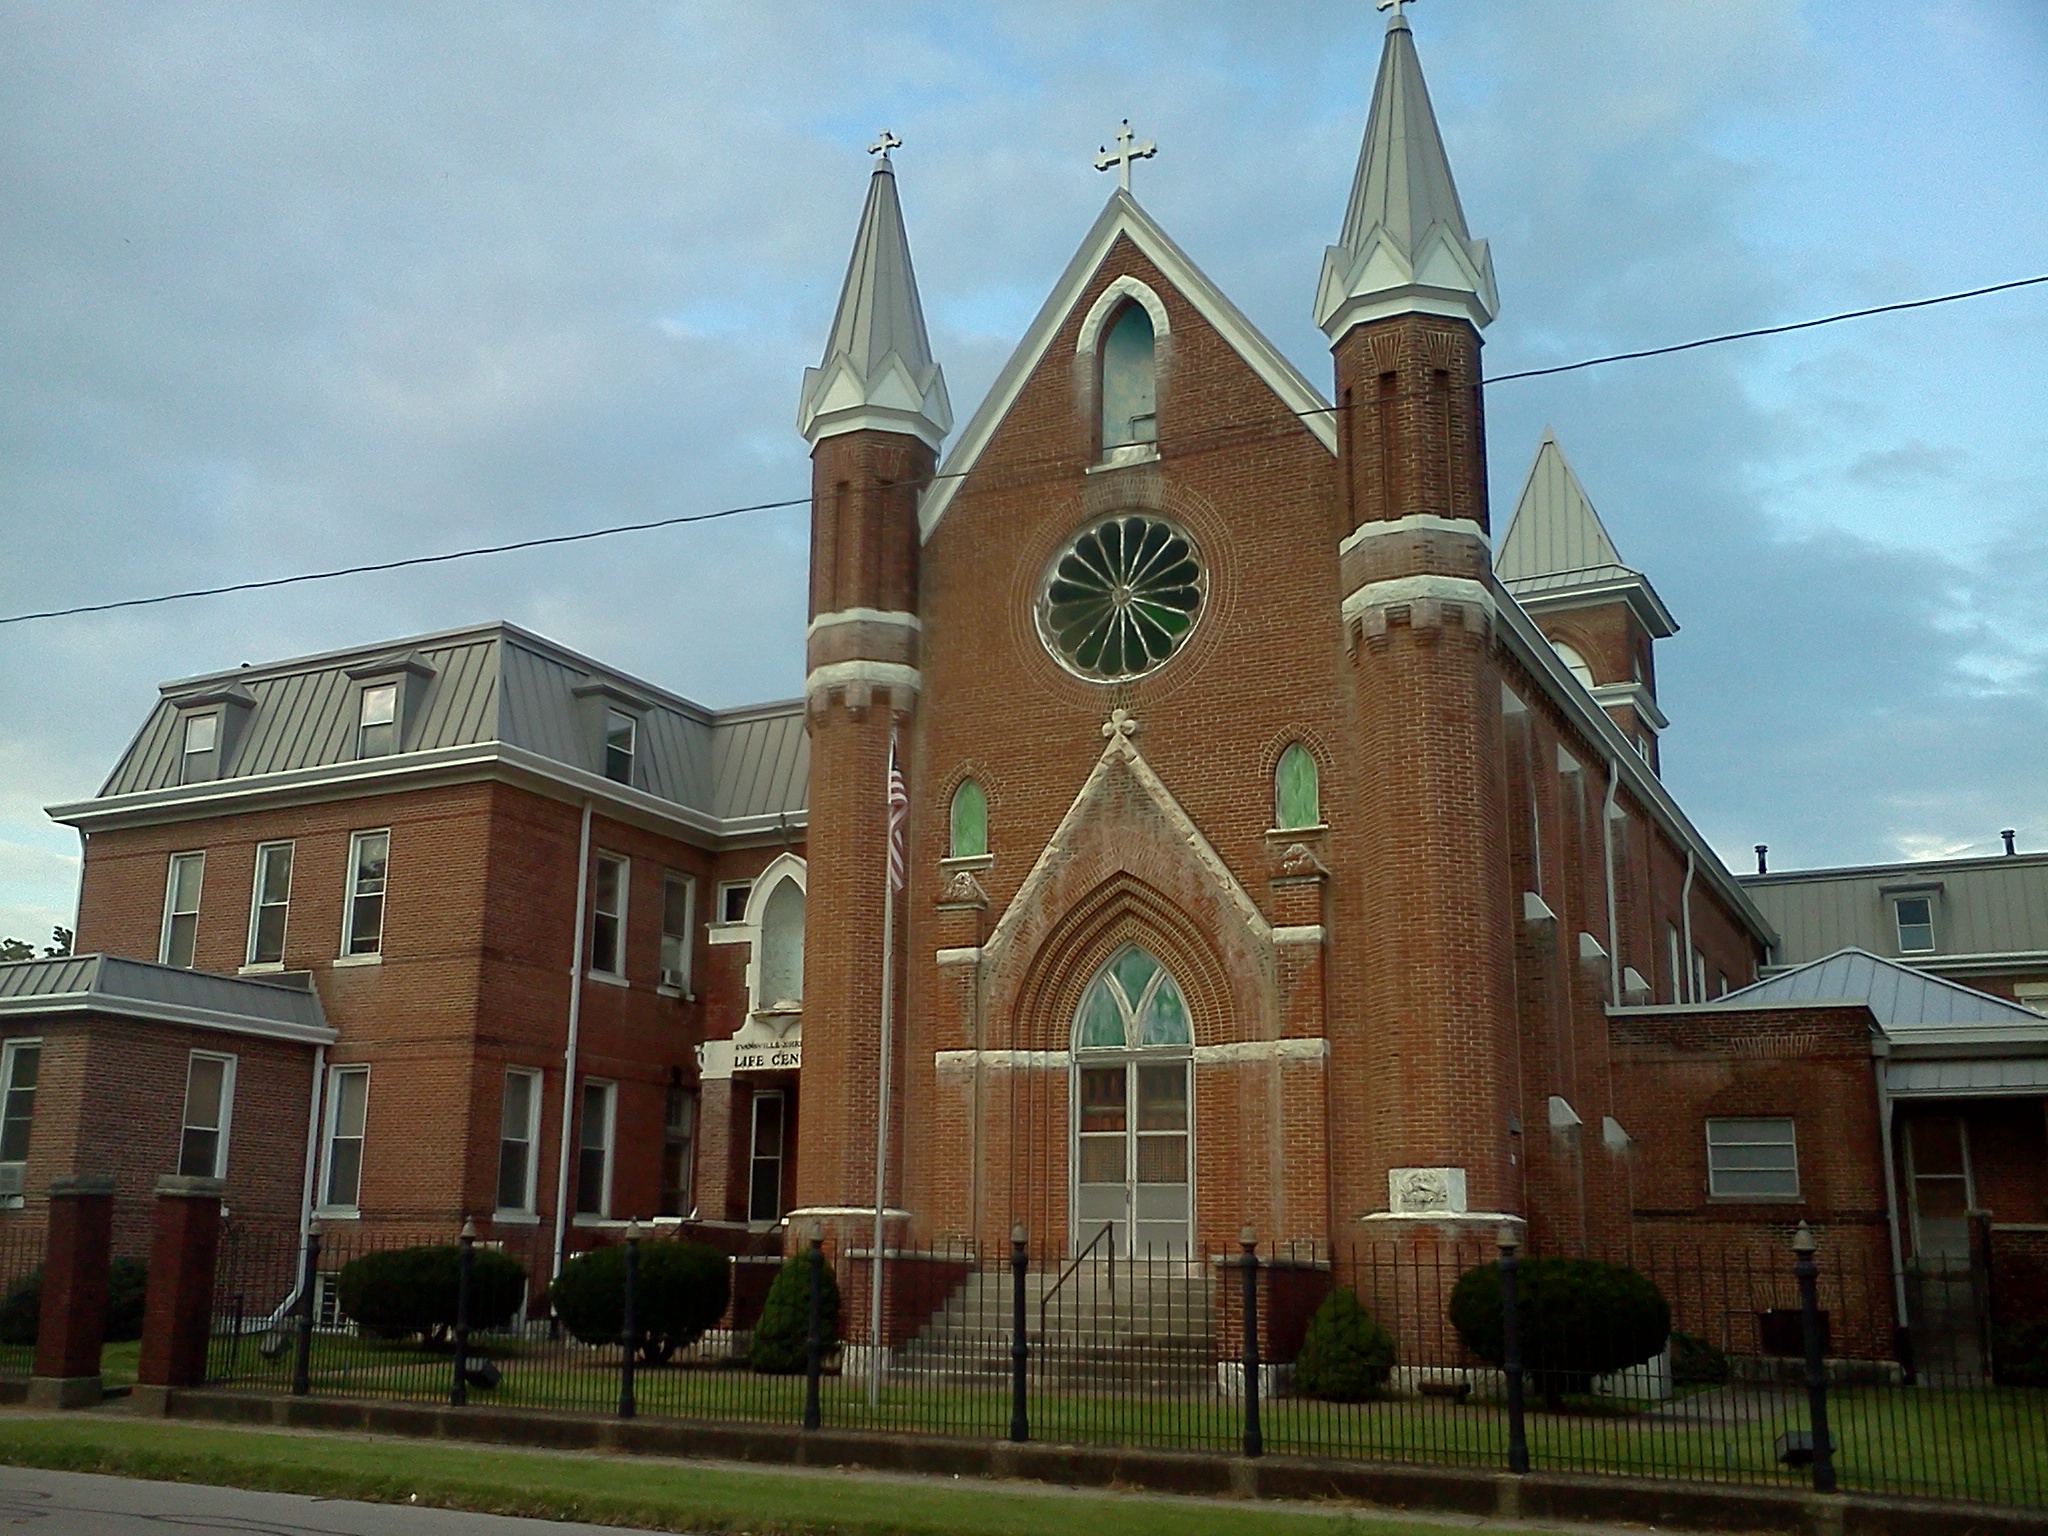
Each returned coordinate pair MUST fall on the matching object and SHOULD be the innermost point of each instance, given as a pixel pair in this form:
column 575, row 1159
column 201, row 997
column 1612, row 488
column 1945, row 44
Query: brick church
column 1203, row 813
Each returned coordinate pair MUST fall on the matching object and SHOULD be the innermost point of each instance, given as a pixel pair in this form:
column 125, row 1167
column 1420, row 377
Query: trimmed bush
column 782, row 1338
column 1345, row 1356
column 1578, row 1319
column 1697, row 1362
column 2019, row 1354
column 403, row 1293
column 681, row 1290
column 21, row 1314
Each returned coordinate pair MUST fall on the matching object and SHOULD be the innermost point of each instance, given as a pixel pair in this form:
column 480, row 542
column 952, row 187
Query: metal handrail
column 1108, row 1232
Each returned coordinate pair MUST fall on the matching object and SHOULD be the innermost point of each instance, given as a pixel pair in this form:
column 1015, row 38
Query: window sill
column 951, row 865
column 342, row 961
column 1295, row 834
column 584, row 1219
column 678, row 993
column 337, row 1213
column 262, row 968
column 514, row 1219
column 1756, row 1199
column 727, row 933
column 609, row 980
column 1124, row 456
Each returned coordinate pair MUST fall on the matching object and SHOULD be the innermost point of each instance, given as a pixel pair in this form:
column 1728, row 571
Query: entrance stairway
column 1147, row 1329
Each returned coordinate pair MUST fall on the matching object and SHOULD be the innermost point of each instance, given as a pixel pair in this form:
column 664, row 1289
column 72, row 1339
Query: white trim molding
column 1410, row 589
column 864, row 677
column 1415, row 522
column 864, row 616
column 1110, row 300
column 1300, row 933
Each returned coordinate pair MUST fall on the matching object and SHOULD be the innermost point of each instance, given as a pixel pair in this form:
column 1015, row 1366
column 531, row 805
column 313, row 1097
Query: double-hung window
column 348, row 1106
column 678, row 898
column 19, row 1062
column 621, row 741
column 1915, row 916
column 594, row 1150
column 518, row 1134
column 678, row 1151
column 608, row 916
column 199, row 761
column 362, row 924
column 1753, row 1159
column 209, row 1101
column 181, row 910
column 377, row 723
column 269, row 902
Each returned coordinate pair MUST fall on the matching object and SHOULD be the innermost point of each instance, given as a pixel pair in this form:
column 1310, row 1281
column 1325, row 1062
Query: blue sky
column 284, row 287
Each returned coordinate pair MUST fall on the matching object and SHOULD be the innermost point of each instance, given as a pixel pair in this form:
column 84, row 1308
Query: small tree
column 1346, row 1356
column 680, row 1291
column 1577, row 1318
column 403, row 1293
column 782, row 1338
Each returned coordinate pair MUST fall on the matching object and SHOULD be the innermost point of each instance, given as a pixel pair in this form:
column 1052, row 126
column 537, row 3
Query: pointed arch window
column 781, row 987
column 1130, row 386
column 1132, row 1002
column 1297, row 789
column 969, row 821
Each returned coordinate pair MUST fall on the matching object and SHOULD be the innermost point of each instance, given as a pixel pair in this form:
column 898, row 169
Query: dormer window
column 377, row 724
column 1915, row 915
column 621, row 737
column 199, row 761
column 1130, row 382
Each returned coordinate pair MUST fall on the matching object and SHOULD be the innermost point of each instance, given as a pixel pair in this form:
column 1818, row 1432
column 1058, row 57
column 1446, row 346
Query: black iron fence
column 1745, row 1364
column 21, row 1259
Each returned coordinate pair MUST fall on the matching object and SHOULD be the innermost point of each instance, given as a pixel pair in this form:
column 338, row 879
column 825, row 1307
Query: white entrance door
column 1133, row 1119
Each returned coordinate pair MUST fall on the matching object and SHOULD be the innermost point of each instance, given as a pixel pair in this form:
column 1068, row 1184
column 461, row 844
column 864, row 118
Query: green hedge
column 1578, row 1319
column 1346, row 1356
column 782, row 1338
column 127, row 1291
column 404, row 1293
column 680, row 1291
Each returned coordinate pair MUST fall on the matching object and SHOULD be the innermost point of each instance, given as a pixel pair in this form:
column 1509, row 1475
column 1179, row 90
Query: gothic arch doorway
column 1133, row 1118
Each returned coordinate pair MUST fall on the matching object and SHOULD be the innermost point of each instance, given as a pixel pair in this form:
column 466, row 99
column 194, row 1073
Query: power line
column 1218, row 434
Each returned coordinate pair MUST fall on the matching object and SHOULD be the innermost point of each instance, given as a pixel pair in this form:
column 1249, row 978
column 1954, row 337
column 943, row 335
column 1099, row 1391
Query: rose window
column 1121, row 598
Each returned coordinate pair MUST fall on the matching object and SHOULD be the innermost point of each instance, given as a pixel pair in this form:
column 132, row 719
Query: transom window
column 1121, row 598
column 1753, row 1159
column 1132, row 1003
column 1915, row 915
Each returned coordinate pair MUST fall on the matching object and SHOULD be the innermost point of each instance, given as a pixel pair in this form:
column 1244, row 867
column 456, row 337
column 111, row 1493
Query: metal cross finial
column 885, row 143
column 1395, row 7
column 1127, row 150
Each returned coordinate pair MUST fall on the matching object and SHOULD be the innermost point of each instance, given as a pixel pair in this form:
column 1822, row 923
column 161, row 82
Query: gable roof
column 1899, row 997
column 1121, row 217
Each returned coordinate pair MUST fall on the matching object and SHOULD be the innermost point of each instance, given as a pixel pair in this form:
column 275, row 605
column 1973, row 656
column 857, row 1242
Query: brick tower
column 1402, row 298
column 875, row 411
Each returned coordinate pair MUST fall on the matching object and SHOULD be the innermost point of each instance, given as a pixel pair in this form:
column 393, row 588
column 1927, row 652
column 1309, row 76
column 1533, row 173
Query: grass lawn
column 634, row 1491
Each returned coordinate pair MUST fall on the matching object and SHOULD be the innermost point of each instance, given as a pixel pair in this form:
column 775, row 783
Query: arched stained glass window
column 970, row 821
column 1297, row 789
column 1132, row 1002
column 1130, row 391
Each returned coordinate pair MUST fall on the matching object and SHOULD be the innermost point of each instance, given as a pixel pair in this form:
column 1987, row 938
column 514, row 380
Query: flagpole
column 882, row 1083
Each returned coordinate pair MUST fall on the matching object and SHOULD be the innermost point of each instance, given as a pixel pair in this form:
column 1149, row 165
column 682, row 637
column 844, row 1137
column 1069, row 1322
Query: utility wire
column 1007, row 471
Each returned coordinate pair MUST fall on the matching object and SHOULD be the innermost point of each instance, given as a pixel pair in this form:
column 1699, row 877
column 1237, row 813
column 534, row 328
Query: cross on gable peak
column 886, row 142
column 1128, row 148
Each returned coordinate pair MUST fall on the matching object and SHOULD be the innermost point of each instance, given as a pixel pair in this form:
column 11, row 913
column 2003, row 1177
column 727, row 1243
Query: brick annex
column 1281, row 845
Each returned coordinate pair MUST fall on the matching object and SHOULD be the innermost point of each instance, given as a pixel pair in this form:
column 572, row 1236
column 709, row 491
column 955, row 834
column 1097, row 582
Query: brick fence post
column 79, row 1248
column 177, row 1322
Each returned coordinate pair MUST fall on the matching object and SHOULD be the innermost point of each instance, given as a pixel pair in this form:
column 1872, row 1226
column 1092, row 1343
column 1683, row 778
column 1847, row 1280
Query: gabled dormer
column 387, row 694
column 210, row 724
column 614, row 719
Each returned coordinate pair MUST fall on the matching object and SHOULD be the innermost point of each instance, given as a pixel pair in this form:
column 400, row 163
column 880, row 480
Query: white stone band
column 1409, row 589
column 864, row 616
column 1416, row 522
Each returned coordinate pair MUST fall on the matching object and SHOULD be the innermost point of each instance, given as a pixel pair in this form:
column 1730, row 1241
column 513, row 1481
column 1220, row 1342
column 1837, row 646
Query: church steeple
column 1405, row 248
column 878, row 372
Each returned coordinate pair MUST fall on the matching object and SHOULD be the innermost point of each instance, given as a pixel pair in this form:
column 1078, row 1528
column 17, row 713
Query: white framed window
column 678, row 1151
column 199, row 757
column 608, row 915
column 362, row 920
column 518, row 1141
column 20, row 1063
column 678, row 908
column 270, row 899
column 209, row 1105
column 1914, row 917
column 733, row 896
column 1674, row 963
column 348, row 1111
column 764, row 1172
column 1699, row 977
column 377, row 721
column 621, row 742
column 2032, row 994
column 181, row 910
column 594, row 1149
column 1753, row 1159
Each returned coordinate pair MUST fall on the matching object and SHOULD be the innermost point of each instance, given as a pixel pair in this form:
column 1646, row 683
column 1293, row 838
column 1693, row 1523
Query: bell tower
column 874, row 411
column 1403, row 296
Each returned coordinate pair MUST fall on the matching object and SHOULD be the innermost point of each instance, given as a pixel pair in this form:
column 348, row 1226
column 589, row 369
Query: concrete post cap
column 181, row 1187
column 1506, row 1238
column 1247, row 1236
column 468, row 1229
column 1017, row 1233
column 75, row 1184
column 1803, row 1241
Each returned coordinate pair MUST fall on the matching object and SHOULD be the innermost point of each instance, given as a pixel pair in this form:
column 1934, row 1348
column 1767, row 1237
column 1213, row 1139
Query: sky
column 284, row 287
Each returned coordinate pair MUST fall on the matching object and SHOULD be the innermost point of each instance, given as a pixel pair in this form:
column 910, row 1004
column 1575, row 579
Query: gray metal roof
column 68, row 984
column 491, row 685
column 1557, row 548
column 1989, row 906
column 1899, row 997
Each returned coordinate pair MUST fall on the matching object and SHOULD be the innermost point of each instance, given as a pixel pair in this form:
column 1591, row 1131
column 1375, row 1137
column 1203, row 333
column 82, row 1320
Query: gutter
column 570, row 1052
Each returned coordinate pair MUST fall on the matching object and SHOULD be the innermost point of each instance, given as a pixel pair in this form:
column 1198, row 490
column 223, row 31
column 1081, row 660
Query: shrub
column 1578, row 1319
column 21, row 1314
column 401, row 1293
column 1345, row 1355
column 1696, row 1361
column 2019, row 1354
column 782, row 1338
column 681, row 1290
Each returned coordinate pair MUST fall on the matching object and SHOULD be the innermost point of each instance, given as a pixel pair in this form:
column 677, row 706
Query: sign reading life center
column 768, row 1058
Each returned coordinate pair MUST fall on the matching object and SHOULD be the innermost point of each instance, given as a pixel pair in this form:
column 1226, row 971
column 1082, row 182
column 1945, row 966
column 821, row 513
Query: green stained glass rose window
column 1122, row 597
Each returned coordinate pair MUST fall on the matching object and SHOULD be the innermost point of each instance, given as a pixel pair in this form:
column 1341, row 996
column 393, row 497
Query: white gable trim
column 1111, row 299
column 1122, row 216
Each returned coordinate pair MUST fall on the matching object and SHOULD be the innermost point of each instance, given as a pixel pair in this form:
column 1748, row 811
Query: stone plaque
column 1426, row 1191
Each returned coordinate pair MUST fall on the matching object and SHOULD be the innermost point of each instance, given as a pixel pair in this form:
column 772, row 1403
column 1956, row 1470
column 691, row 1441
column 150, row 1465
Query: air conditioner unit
column 674, row 978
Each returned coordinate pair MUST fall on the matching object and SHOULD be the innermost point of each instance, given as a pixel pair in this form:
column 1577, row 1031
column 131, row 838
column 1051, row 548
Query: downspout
column 1891, row 1194
column 306, row 1184
column 1607, row 860
column 569, row 1051
column 1682, row 984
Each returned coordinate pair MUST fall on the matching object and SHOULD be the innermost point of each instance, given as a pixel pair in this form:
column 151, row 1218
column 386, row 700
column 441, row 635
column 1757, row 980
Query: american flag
column 899, row 817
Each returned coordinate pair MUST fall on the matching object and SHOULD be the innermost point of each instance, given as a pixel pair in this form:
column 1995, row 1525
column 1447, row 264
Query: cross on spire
column 1127, row 149
column 1397, row 19
column 884, row 144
